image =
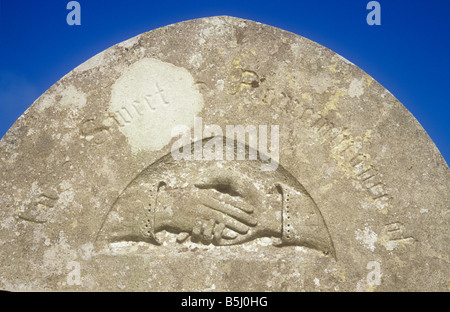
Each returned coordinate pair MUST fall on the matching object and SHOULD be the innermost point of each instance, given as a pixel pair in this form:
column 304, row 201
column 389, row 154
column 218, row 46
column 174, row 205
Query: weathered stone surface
column 368, row 189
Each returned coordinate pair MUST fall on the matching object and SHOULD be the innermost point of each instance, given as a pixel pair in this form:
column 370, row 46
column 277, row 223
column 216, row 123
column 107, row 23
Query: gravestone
column 221, row 154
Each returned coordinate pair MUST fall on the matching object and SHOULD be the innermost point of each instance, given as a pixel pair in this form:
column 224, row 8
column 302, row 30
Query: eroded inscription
column 96, row 129
column 397, row 240
column 149, row 99
column 39, row 210
column 346, row 148
column 150, row 102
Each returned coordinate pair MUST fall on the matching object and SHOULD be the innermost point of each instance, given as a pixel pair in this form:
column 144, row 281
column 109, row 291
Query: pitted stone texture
column 377, row 178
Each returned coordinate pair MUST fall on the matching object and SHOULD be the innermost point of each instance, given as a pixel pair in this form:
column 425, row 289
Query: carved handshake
column 209, row 213
column 216, row 202
column 212, row 216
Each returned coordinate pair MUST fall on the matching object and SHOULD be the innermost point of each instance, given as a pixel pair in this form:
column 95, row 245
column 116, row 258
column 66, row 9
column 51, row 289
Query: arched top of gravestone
column 355, row 196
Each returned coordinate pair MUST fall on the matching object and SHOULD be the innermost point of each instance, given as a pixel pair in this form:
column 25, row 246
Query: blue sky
column 408, row 53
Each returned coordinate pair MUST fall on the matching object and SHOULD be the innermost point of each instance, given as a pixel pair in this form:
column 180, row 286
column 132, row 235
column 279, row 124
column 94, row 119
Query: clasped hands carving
column 224, row 210
column 217, row 213
column 220, row 203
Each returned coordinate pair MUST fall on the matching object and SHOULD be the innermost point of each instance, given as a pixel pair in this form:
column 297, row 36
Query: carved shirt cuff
column 302, row 223
column 148, row 229
column 288, row 234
